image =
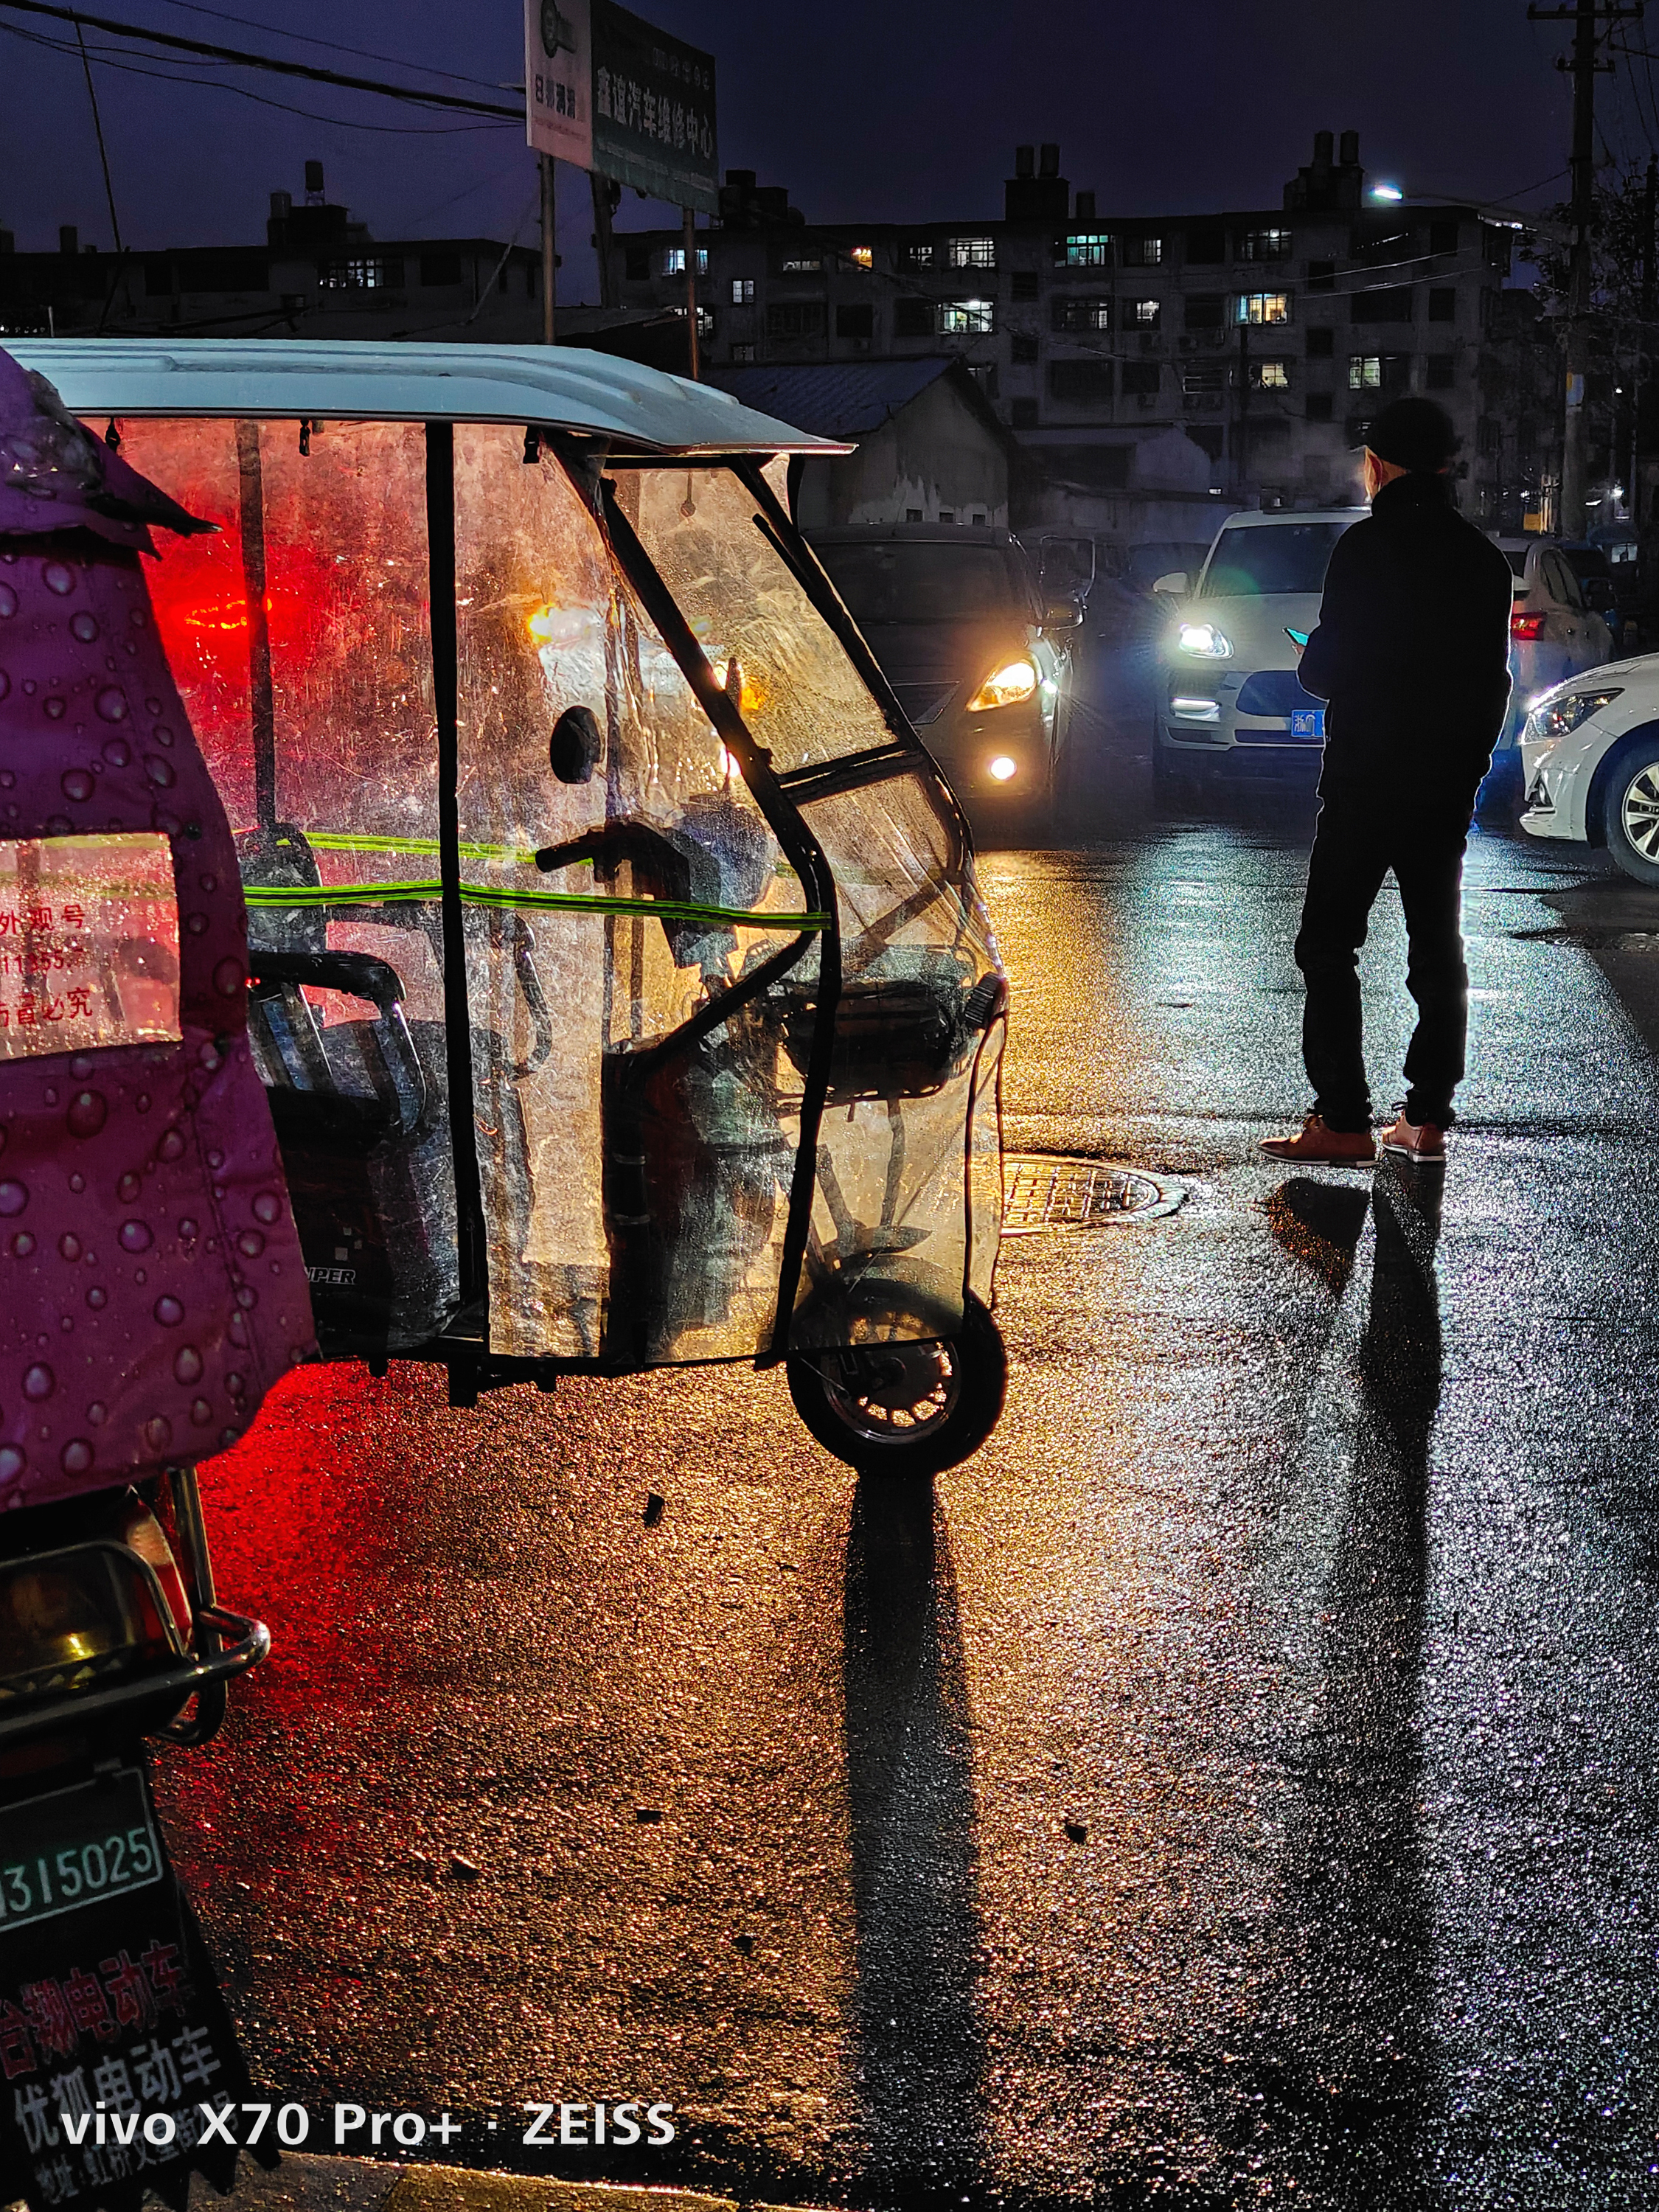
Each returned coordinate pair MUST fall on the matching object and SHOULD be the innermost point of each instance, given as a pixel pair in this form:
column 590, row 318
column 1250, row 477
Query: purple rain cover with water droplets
column 151, row 1283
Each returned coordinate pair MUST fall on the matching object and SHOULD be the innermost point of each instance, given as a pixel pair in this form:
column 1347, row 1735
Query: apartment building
column 1269, row 335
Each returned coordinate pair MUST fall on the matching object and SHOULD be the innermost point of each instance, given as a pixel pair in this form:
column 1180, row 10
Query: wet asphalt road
column 1236, row 1785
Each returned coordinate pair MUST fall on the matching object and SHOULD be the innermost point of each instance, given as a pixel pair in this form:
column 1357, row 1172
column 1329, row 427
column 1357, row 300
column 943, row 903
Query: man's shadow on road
column 920, row 2038
column 1346, row 2058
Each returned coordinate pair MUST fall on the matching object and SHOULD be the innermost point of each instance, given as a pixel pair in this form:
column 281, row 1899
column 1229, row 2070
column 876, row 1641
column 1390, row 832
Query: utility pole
column 549, row 252
column 604, row 206
column 688, row 232
column 1587, row 18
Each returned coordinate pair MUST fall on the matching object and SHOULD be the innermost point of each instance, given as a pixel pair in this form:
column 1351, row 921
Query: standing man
column 1411, row 652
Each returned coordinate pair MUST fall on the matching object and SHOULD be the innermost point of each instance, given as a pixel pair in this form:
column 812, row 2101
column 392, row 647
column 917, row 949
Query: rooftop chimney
column 1326, row 187
column 280, row 203
column 1348, row 154
column 314, row 182
column 1024, row 160
column 69, row 239
column 1044, row 196
column 1048, row 161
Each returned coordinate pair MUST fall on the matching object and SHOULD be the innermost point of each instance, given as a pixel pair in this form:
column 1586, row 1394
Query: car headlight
column 1001, row 769
column 1004, row 687
column 1554, row 718
column 1195, row 709
column 1205, row 642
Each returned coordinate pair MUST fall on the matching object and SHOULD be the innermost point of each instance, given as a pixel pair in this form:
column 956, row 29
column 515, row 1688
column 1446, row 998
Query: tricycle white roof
column 344, row 379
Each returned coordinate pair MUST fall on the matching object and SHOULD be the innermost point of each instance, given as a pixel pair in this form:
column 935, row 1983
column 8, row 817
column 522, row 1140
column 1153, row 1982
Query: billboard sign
column 558, row 79
column 653, row 110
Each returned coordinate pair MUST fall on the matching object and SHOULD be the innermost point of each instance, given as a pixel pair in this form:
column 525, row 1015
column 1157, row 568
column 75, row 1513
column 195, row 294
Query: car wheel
column 1631, row 813
column 905, row 1409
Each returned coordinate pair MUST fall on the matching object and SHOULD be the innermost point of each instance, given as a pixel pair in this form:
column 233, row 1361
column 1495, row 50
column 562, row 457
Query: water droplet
column 216, row 1161
column 170, row 1146
column 57, row 577
column 267, row 1206
column 12, row 1462
column 77, row 1183
column 81, row 1066
column 30, row 687
column 228, row 977
column 14, row 1197
column 168, row 1312
column 98, row 1412
column 55, row 708
column 187, row 1367
column 200, row 1411
column 77, row 783
column 5, row 692
column 89, row 1111
column 189, row 1231
column 49, row 1094
column 162, row 772
column 39, row 1380
column 97, row 1296
column 209, row 882
column 196, row 924
column 23, row 1244
column 83, row 626
column 111, row 704
column 210, row 1057
column 236, row 1330
column 229, row 1436
column 158, row 1432
column 247, row 1297
column 162, row 735
column 8, row 601
column 136, row 1237
column 142, row 1102
column 126, row 1190
column 140, row 1277
column 77, row 1455
column 235, row 1383
column 117, row 751
column 69, row 1246
column 250, row 1243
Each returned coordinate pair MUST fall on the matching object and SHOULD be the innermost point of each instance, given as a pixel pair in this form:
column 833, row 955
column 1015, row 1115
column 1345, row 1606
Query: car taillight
column 1527, row 628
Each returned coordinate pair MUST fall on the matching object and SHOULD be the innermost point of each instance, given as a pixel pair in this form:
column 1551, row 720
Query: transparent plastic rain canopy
column 683, row 903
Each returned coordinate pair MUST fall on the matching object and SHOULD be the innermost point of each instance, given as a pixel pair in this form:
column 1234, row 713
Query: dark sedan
column 981, row 666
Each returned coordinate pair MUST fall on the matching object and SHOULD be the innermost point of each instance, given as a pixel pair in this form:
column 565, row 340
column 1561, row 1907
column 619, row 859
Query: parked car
column 1554, row 633
column 1589, row 751
column 1231, row 701
column 1592, row 566
column 981, row 664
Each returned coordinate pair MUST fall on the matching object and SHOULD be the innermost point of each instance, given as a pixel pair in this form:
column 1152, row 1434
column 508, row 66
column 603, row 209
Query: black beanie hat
column 1413, row 434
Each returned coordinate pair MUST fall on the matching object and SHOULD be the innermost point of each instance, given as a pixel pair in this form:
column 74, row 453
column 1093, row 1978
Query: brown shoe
column 1341, row 1148
column 1424, row 1142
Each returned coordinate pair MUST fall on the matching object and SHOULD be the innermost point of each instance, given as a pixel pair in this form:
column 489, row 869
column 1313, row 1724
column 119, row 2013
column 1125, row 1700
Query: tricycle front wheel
column 903, row 1408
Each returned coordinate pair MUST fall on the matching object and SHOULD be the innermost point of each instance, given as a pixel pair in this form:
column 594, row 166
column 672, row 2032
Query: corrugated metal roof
column 345, row 379
column 836, row 399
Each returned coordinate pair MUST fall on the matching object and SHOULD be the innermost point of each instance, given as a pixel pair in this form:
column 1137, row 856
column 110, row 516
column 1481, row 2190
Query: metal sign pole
column 690, row 235
column 549, row 256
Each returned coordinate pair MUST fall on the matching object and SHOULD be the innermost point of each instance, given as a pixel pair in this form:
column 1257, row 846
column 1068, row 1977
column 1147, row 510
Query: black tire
column 854, row 1402
column 1629, row 812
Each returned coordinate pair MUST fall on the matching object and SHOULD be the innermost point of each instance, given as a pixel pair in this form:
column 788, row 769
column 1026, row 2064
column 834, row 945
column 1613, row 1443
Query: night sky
column 864, row 109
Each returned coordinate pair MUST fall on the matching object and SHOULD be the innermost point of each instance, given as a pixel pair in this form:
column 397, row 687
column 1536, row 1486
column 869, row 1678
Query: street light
column 1386, row 193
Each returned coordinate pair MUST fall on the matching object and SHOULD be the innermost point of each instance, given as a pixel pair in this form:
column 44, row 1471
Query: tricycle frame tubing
column 809, row 862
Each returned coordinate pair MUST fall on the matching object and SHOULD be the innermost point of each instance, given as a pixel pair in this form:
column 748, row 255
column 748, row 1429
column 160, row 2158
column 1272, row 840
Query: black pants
column 1354, row 848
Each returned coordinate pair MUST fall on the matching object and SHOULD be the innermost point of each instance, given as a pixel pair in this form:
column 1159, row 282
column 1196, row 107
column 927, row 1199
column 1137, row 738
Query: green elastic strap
column 488, row 895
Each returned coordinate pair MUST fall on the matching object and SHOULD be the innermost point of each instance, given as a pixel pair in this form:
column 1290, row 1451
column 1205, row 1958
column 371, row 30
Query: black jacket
column 1412, row 647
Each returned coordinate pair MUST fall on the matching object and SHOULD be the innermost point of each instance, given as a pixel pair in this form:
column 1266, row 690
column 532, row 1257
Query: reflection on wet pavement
column 1237, row 1784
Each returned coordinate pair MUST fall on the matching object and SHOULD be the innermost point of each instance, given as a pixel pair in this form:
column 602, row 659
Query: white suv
column 1231, row 701
column 1589, row 755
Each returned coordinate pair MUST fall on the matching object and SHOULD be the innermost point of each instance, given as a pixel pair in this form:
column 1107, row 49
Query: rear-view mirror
column 1175, row 584
column 1062, row 614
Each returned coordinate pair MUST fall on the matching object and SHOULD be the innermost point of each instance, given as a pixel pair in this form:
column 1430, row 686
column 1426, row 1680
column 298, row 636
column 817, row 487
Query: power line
column 240, row 56
column 333, row 46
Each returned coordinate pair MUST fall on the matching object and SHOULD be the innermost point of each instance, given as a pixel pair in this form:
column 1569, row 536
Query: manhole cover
column 1041, row 1191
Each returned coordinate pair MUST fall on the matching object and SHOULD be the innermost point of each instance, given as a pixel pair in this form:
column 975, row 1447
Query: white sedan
column 1589, row 755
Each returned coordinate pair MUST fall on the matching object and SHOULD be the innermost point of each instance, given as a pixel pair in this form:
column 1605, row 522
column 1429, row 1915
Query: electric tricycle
column 618, row 977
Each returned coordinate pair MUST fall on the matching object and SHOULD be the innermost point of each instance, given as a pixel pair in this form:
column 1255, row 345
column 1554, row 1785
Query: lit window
column 361, row 273
column 743, row 291
column 1088, row 249
column 1271, row 375
column 861, row 257
column 971, row 253
column 1364, row 372
column 1265, row 246
column 919, row 253
column 801, row 265
column 960, row 317
column 1142, row 253
column 673, row 261
column 1263, row 307
column 1082, row 312
column 1144, row 314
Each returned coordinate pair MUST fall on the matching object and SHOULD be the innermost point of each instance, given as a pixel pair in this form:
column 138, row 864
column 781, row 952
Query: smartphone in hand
column 1298, row 637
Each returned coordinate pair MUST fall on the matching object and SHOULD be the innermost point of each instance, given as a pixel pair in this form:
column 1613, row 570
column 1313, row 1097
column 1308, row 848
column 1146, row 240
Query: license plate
column 1307, row 721
column 75, row 1848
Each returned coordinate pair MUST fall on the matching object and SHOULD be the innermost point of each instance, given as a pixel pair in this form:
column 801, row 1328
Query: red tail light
column 1529, row 627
